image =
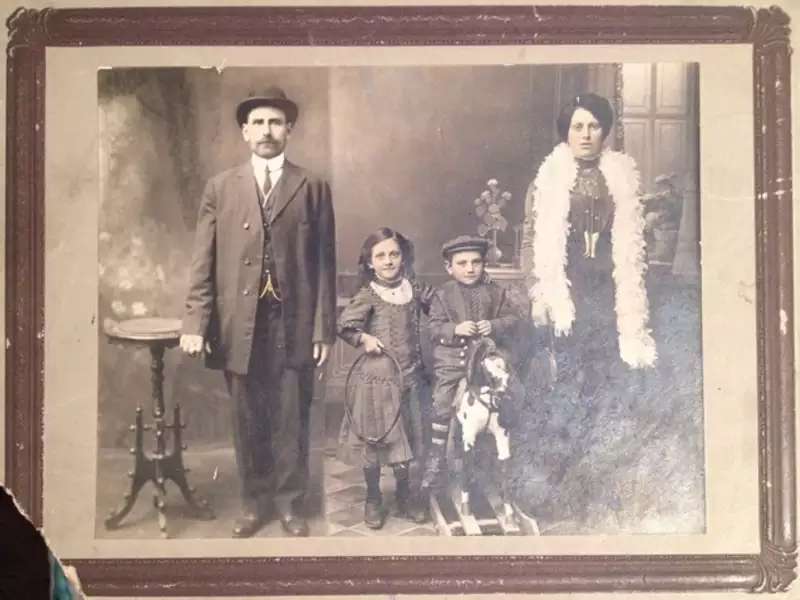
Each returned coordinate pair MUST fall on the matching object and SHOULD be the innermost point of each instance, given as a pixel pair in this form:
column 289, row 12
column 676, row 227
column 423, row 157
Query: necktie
column 267, row 197
column 267, row 184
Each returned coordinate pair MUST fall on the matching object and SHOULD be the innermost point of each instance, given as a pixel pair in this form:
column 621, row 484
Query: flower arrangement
column 488, row 207
column 139, row 274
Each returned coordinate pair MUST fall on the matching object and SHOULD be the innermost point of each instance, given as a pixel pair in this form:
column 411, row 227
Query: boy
column 463, row 310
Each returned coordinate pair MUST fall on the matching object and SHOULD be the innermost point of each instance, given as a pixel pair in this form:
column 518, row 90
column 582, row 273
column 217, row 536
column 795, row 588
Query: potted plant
column 662, row 215
column 488, row 207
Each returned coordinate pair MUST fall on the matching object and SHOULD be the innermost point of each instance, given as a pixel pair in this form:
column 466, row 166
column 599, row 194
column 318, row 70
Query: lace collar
column 401, row 294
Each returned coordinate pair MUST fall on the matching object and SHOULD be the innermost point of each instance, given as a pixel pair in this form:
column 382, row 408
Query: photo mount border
column 766, row 29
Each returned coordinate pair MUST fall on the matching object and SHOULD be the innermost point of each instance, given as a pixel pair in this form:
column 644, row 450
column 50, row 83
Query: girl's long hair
column 365, row 272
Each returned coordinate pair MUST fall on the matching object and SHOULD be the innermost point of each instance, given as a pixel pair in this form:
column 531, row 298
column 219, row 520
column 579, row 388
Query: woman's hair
column 597, row 105
column 365, row 272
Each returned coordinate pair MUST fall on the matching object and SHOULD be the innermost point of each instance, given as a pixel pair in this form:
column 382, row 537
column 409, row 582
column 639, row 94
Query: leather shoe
column 294, row 525
column 374, row 515
column 247, row 524
column 418, row 509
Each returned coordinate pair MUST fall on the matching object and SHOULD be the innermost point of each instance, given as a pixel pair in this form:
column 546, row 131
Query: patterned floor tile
column 347, row 517
column 350, row 475
column 333, row 485
column 353, row 493
column 392, row 526
column 332, row 505
column 333, row 466
column 421, row 530
column 347, row 533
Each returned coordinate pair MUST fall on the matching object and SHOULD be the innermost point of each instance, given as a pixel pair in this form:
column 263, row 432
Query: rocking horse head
column 488, row 367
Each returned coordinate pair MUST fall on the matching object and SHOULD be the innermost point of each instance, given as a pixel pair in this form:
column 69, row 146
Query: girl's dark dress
column 374, row 397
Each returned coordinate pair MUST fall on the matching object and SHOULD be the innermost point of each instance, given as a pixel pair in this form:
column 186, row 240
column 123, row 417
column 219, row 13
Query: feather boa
column 550, row 294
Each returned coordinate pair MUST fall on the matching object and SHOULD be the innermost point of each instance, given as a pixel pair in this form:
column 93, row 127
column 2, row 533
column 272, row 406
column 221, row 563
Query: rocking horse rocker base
column 457, row 510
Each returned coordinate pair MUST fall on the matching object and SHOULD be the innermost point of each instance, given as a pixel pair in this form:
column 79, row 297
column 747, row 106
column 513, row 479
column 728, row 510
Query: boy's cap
column 463, row 243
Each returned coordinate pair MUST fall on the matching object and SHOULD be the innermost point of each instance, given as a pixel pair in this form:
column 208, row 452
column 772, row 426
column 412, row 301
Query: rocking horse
column 482, row 404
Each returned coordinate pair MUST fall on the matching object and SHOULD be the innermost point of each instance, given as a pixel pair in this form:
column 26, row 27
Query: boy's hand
column 484, row 327
column 372, row 345
column 466, row 329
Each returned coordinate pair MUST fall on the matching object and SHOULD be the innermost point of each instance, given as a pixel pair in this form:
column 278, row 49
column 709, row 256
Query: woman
column 588, row 238
column 585, row 231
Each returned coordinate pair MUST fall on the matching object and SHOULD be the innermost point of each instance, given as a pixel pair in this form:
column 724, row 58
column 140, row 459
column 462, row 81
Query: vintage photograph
column 367, row 301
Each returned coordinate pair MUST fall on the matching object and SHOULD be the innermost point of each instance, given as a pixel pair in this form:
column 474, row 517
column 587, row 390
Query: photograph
column 376, row 299
column 418, row 300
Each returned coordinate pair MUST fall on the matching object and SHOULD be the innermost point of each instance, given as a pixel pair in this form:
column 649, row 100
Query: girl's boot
column 373, row 507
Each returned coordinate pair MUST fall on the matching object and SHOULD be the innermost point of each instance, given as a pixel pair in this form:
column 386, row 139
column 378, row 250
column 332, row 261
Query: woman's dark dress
column 606, row 448
column 590, row 373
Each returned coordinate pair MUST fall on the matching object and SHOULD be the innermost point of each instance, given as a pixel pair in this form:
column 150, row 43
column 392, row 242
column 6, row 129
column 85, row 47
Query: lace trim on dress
column 402, row 294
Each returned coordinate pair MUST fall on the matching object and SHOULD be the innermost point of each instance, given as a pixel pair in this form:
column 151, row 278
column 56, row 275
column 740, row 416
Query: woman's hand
column 372, row 345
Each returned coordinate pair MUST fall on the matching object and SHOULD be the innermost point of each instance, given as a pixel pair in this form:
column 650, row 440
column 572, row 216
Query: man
column 262, row 305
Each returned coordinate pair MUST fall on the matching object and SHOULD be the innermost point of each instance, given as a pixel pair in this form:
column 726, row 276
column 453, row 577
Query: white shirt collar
column 260, row 165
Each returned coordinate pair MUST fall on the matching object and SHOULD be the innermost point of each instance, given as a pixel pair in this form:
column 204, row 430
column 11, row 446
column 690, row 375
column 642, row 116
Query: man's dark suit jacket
column 227, row 261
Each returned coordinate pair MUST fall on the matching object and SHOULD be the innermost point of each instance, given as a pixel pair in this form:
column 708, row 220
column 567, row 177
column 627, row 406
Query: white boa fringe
column 550, row 294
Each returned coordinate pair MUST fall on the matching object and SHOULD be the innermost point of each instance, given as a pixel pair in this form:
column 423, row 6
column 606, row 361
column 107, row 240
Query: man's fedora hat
column 272, row 96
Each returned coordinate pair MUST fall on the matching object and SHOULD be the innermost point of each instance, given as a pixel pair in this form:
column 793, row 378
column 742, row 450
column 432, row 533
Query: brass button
column 246, row 292
column 246, row 225
column 463, row 362
column 247, row 261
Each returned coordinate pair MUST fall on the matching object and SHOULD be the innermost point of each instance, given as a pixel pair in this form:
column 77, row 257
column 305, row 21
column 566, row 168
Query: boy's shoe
column 402, row 506
column 418, row 510
column 434, row 477
column 413, row 508
column 374, row 514
column 401, row 496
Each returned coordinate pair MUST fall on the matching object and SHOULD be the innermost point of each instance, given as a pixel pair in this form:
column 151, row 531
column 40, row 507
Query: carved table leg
column 157, row 378
column 141, row 474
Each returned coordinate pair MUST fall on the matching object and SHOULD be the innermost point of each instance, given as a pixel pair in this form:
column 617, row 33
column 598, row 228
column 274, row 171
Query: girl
column 382, row 319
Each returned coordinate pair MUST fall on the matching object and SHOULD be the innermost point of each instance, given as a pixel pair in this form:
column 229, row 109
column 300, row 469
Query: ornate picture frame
column 772, row 569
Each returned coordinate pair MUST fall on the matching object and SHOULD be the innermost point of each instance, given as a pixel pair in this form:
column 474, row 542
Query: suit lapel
column 247, row 189
column 286, row 188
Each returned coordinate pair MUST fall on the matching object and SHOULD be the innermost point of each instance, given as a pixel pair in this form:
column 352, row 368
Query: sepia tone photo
column 400, row 301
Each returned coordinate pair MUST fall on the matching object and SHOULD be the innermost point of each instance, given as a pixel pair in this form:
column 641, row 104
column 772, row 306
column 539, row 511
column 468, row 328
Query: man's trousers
column 271, row 420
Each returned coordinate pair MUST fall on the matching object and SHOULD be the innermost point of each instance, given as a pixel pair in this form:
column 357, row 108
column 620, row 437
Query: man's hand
column 484, row 327
column 466, row 329
column 194, row 344
column 372, row 345
column 321, row 352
